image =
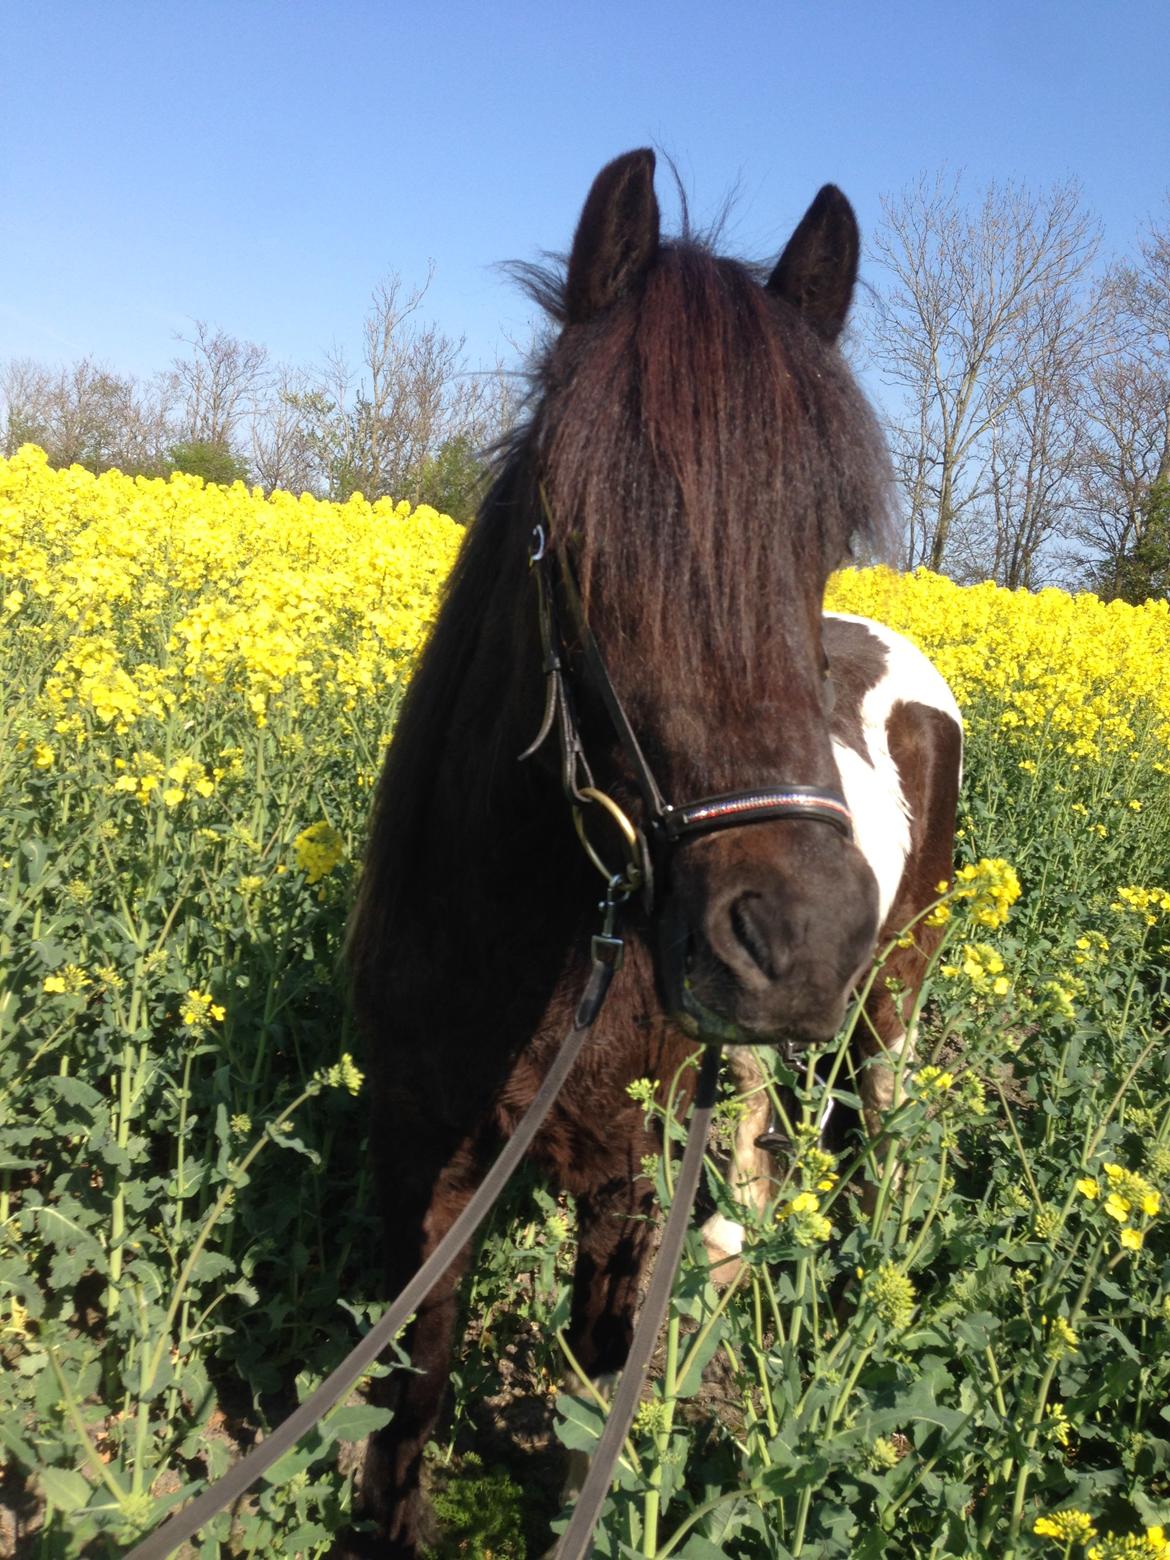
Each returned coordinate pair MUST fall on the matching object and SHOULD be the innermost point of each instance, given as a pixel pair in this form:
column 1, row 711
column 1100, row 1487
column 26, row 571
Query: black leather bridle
column 665, row 825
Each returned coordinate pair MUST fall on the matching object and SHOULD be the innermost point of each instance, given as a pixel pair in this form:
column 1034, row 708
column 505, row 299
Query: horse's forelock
column 700, row 447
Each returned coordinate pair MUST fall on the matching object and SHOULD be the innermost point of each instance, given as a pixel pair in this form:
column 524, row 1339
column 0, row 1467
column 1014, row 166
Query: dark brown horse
column 699, row 459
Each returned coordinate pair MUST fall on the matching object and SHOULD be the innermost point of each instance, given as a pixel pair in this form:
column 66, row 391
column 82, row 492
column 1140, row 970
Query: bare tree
column 281, row 450
column 980, row 326
column 409, row 414
column 1123, row 472
column 409, row 421
column 86, row 415
column 1033, row 451
column 216, row 386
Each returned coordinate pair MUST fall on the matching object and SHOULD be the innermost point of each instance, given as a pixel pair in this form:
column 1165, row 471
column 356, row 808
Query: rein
column 184, row 1524
column 607, row 949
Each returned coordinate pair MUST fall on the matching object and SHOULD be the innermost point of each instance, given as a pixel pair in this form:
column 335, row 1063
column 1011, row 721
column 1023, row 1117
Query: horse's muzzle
column 751, row 958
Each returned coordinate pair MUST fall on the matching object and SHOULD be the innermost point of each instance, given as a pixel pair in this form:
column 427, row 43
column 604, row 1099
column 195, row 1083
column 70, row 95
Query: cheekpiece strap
column 760, row 806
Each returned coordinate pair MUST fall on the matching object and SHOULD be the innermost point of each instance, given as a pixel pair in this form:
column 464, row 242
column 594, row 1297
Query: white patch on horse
column 873, row 790
column 722, row 1235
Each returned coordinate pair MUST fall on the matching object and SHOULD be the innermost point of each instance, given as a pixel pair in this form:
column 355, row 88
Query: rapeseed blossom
column 143, row 596
column 318, row 849
column 1067, row 1527
column 1153, row 1544
column 892, row 1295
column 1149, row 903
column 1124, row 1197
column 803, row 1218
column 199, row 1010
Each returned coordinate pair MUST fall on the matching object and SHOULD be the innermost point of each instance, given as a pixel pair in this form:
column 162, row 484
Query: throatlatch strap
column 184, row 1524
column 574, row 1544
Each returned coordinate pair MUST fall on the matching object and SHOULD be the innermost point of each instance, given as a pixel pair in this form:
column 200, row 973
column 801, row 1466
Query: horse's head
column 704, row 460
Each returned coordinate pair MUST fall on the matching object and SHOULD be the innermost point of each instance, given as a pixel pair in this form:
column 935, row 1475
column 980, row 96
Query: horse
column 694, row 460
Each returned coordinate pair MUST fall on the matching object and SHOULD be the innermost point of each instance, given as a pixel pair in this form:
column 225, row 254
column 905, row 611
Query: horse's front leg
column 751, row 1172
column 615, row 1238
column 390, row 1492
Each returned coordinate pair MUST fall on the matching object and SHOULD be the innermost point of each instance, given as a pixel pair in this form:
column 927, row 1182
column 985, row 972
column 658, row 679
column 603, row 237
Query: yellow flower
column 69, row 980
column 318, row 849
column 343, row 1075
column 892, row 1295
column 1067, row 1527
column 199, row 1010
column 807, row 1224
column 1062, row 1339
column 931, row 1082
column 991, row 886
column 1152, row 1544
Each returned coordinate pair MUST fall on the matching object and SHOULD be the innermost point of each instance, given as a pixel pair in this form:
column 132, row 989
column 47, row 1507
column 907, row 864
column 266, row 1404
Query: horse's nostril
column 751, row 935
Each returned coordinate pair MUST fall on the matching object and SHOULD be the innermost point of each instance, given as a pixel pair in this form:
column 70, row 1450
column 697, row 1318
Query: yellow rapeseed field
column 125, row 598
column 198, row 683
column 1091, row 674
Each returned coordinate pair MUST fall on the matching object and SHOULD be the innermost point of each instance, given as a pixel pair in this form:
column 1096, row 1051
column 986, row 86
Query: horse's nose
column 751, row 936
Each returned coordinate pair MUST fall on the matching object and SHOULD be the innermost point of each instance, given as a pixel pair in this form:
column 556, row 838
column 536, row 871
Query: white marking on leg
column 877, row 1079
column 722, row 1237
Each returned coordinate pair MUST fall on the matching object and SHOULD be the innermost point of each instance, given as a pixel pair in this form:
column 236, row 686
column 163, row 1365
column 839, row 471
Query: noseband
column 667, row 825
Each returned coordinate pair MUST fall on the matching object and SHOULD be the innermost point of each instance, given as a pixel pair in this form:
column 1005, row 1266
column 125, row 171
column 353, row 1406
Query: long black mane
column 701, row 444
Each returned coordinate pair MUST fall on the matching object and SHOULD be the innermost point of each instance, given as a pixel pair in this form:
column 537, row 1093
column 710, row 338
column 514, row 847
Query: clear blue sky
column 260, row 165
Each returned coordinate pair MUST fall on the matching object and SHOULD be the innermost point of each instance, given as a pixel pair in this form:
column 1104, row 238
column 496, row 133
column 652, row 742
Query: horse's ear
column 818, row 268
column 617, row 236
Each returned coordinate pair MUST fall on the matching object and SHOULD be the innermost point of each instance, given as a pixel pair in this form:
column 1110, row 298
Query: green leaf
column 354, row 1421
column 580, row 1423
column 64, row 1488
column 699, row 1548
column 698, row 1359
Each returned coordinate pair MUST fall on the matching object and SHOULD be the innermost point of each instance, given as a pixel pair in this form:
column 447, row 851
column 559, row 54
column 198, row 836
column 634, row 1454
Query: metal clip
column 608, row 947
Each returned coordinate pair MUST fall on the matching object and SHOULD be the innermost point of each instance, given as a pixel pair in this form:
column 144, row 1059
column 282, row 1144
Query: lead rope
column 574, row 1545
column 182, row 1525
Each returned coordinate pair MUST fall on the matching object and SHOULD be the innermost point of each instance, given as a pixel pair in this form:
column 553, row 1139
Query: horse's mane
column 700, row 443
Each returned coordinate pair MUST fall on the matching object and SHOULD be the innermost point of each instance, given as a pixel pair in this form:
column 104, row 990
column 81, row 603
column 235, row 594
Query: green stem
column 102, row 1469
column 652, row 1504
column 209, row 1223
column 589, row 1386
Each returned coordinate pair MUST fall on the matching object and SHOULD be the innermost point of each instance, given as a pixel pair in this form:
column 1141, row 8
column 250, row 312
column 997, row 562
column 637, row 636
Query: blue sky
column 261, row 165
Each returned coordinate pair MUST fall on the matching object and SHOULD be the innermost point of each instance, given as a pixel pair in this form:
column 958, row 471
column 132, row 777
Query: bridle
column 648, row 849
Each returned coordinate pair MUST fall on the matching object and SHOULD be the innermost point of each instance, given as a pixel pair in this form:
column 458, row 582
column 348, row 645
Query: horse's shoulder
column 875, row 668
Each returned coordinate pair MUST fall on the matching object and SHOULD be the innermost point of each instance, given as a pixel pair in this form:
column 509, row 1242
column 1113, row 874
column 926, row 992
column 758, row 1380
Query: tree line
column 1024, row 384
column 407, row 420
column 1027, row 387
